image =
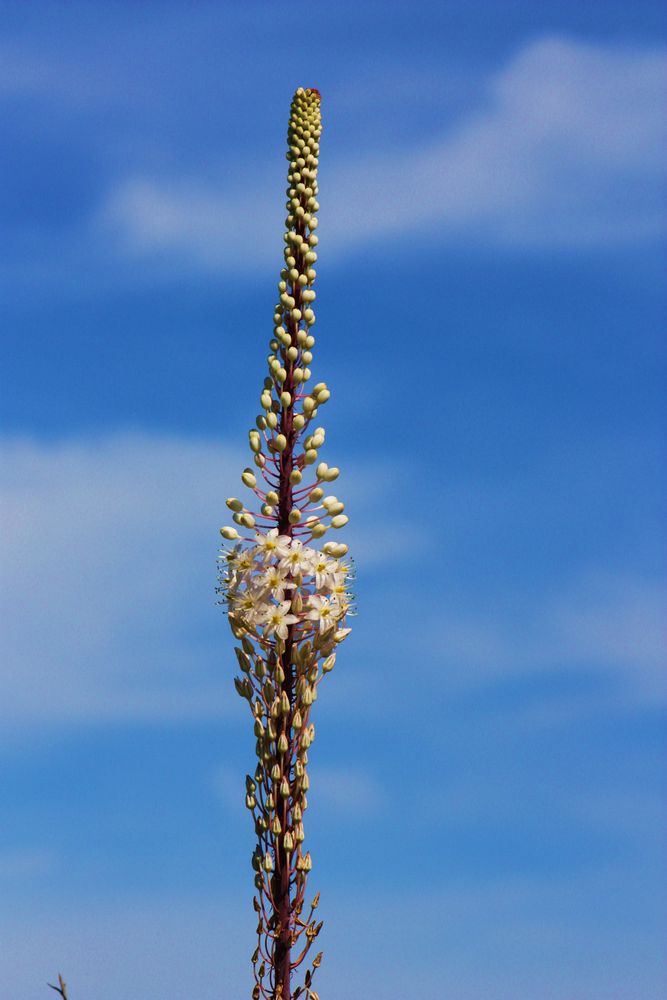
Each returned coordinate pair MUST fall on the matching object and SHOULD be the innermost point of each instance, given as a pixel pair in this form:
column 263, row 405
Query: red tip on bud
column 314, row 90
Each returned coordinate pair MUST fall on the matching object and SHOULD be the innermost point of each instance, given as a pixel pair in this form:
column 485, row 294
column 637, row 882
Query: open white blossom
column 279, row 582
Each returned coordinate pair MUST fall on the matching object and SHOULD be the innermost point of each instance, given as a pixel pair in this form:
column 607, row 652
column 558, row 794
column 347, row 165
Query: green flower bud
column 234, row 504
column 299, row 421
column 280, row 442
column 231, row 534
column 255, row 441
column 318, row 530
column 294, row 515
column 329, row 663
column 310, row 456
column 283, row 745
column 285, row 400
column 272, row 498
column 248, row 478
column 268, row 866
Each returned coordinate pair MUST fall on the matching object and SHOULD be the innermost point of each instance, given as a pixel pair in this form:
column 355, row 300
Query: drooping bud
column 231, row 534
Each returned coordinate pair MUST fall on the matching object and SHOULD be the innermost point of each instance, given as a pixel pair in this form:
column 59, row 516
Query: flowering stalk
column 286, row 600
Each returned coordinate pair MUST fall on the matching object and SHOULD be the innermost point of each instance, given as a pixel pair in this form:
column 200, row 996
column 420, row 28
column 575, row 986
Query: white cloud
column 567, row 152
column 600, row 621
column 108, row 572
column 108, row 576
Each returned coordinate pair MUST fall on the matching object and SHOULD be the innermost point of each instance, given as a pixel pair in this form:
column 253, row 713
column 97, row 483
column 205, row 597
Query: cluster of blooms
column 280, row 582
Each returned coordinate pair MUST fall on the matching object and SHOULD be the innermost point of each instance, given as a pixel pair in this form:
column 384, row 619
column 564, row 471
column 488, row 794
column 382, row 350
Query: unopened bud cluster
column 287, row 600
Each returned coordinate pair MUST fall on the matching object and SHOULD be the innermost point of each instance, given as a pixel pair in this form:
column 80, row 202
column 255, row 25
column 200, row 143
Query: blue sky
column 487, row 796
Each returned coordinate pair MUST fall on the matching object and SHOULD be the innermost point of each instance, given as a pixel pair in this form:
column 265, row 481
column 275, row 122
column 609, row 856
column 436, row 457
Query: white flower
column 273, row 581
column 298, row 559
column 323, row 611
column 276, row 618
column 272, row 544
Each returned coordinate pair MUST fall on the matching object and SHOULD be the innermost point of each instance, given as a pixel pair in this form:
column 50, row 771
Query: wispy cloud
column 567, row 151
column 108, row 575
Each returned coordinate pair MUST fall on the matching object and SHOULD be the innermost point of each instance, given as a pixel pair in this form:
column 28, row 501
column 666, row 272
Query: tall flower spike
column 287, row 601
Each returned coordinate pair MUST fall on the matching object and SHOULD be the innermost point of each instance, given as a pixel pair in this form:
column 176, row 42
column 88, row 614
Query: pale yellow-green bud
column 261, row 422
column 272, row 498
column 255, row 440
column 343, row 632
column 329, row 663
column 297, row 721
column 318, row 438
column 283, row 745
column 299, row 421
column 266, row 400
column 296, row 314
column 284, row 703
column 268, row 867
column 247, row 520
column 271, row 420
column 319, row 530
column 308, row 405
column 307, row 697
column 318, row 492
column 301, row 338
column 275, row 772
column 281, row 375
column 294, row 515
column 306, row 375
column 292, row 353
column 280, row 442
column 284, row 788
column 336, row 508
column 266, row 510
column 260, row 461
column 297, row 604
column 319, row 387
column 285, row 400
column 329, row 501
column 323, row 396
column 276, row 826
column 288, row 843
column 234, row 504
column 295, row 475
column 321, row 471
column 332, row 473
column 310, row 456
column 250, row 801
column 297, row 375
column 231, row 534
column 248, row 478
